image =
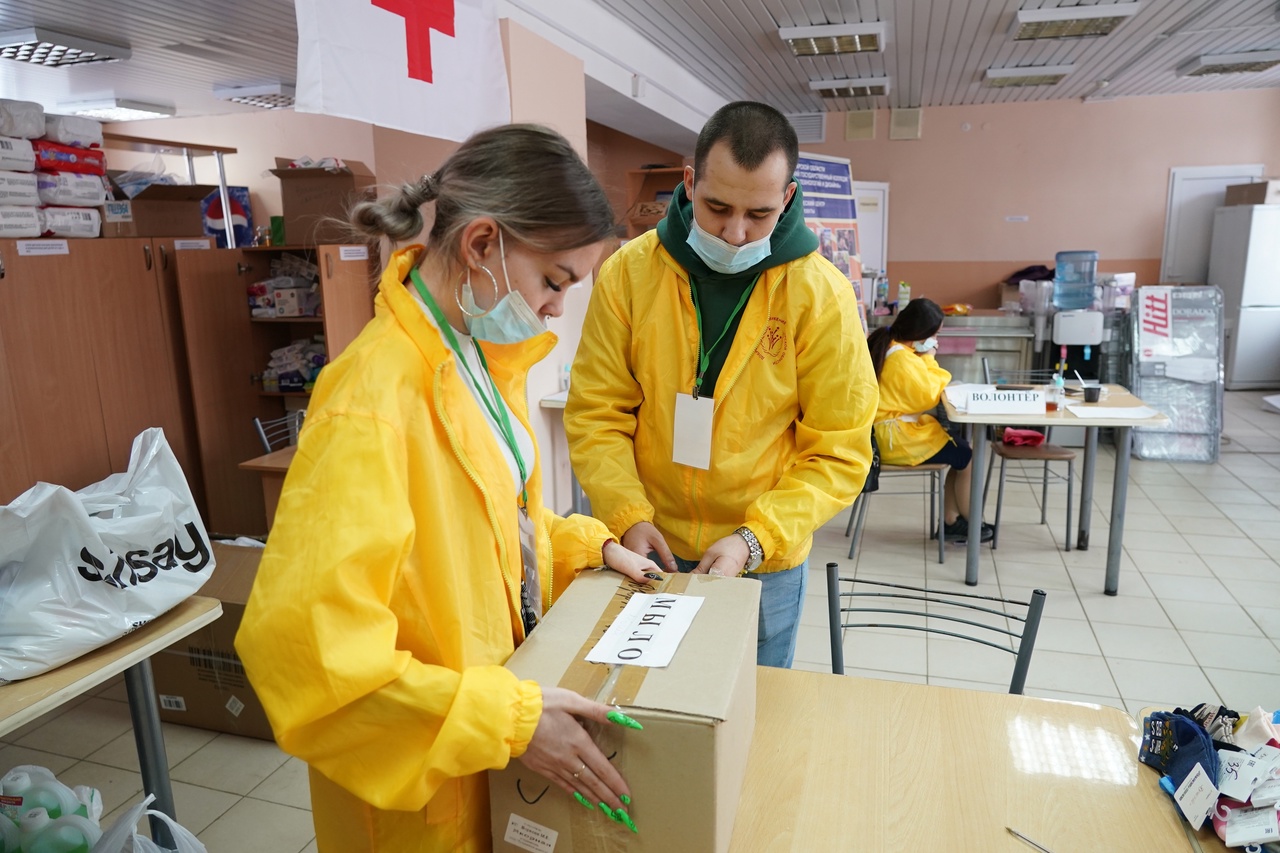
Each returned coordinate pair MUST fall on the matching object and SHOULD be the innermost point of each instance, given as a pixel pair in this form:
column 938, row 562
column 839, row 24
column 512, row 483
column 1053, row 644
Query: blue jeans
column 781, row 598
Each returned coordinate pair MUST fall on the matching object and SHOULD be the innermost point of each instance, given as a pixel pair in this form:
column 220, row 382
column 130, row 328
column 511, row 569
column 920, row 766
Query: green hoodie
column 718, row 294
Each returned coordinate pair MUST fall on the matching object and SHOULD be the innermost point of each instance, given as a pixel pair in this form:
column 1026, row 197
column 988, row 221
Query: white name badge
column 983, row 401
column 691, row 438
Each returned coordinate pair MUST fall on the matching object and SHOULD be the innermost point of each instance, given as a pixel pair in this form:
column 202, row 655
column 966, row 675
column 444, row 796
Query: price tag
column 1196, row 796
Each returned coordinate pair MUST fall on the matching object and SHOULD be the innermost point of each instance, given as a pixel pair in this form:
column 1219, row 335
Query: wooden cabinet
column 226, row 352
column 85, row 364
column 643, row 189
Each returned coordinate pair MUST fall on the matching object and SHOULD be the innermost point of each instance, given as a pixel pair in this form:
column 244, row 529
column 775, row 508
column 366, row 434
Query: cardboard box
column 200, row 680
column 157, row 211
column 295, row 301
column 1260, row 192
column 686, row 768
column 311, row 197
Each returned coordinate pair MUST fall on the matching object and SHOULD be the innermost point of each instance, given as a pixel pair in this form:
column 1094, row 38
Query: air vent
column 1251, row 62
column 853, row 87
column 906, row 124
column 275, row 96
column 810, row 127
column 859, row 125
column 1066, row 22
column 1043, row 75
column 38, row 46
column 831, row 39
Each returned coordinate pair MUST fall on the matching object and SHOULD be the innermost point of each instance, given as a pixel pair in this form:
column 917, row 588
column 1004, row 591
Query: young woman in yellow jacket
column 411, row 552
column 911, row 384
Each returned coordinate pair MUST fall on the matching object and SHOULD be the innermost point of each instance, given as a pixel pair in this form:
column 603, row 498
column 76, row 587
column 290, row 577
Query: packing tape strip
column 620, row 683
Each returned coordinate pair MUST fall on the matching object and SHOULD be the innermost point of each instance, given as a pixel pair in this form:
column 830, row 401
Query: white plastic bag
column 123, row 836
column 80, row 569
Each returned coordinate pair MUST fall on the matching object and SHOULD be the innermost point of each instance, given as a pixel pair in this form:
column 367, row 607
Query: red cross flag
column 432, row 67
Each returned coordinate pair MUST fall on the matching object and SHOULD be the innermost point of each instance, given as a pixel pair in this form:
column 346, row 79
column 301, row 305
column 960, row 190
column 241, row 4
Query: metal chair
column 1044, row 453
column 937, row 477
column 902, row 600
column 279, row 432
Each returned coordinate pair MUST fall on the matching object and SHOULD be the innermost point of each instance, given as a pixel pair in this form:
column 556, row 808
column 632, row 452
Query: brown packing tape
column 586, row 678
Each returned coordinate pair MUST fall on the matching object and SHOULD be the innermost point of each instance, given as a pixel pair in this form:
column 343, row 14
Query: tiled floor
column 1197, row 619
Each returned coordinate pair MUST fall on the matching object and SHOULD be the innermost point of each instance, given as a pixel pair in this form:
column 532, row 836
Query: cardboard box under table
column 686, row 768
column 315, row 201
column 200, row 680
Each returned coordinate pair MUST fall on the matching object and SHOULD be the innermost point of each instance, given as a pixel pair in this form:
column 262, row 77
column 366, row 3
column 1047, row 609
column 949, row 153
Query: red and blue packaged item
column 53, row 157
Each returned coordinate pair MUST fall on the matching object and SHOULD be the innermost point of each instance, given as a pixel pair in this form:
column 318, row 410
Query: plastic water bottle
column 10, row 836
column 67, row 834
column 1074, row 277
column 44, row 792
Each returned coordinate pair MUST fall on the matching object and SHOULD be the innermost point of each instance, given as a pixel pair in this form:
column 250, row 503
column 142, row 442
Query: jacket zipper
column 697, row 379
column 466, row 466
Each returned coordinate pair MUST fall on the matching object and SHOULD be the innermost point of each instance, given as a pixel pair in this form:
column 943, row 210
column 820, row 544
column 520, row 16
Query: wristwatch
column 753, row 546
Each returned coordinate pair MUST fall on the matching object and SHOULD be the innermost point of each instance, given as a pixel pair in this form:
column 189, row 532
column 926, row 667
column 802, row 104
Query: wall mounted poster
column 832, row 215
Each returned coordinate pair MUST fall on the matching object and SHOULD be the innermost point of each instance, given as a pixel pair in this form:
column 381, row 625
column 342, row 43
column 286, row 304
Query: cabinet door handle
column 146, row 253
column 164, row 259
column 328, row 264
column 1, row 266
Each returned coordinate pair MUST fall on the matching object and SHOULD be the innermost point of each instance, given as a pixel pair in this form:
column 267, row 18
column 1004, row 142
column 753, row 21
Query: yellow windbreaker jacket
column 388, row 597
column 909, row 384
column 793, row 406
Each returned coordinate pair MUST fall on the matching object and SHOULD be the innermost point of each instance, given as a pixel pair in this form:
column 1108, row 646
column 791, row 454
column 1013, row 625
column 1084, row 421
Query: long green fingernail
column 627, row 821
column 622, row 719
column 626, row 800
column 583, row 800
column 608, row 812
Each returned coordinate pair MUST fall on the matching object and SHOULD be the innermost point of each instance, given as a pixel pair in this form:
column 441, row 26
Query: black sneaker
column 959, row 531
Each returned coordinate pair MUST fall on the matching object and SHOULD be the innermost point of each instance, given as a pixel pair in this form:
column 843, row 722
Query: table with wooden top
column 24, row 701
column 855, row 764
column 1117, row 398
column 272, row 466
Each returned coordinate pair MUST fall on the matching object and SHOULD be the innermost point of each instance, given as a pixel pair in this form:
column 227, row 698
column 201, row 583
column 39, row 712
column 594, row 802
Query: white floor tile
column 1071, row 673
column 1185, row 588
column 876, row 649
column 1226, row 651
column 83, row 730
column 1244, row 691
column 1243, row 568
column 118, row 787
column 256, row 826
column 230, row 763
column 288, row 786
column 1267, row 619
column 1066, row 635
column 959, row 659
column 1252, row 592
column 179, row 743
column 1168, row 684
column 1123, row 609
column 1223, row 546
column 1219, row 618
column 12, row 755
column 1138, row 642
column 1058, row 603
column 813, row 644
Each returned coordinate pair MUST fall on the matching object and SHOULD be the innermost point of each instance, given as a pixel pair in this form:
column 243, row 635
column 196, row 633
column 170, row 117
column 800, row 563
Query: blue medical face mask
column 725, row 257
column 509, row 321
column 927, row 344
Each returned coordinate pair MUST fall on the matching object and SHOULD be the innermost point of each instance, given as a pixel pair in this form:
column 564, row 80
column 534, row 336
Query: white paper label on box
column 691, row 438
column 234, row 706
column 117, row 211
column 185, row 245
column 648, row 630
column 1238, row 774
column 28, row 248
column 990, row 402
column 353, row 253
column 172, row 703
column 1252, row 826
column 530, row 836
column 1196, row 796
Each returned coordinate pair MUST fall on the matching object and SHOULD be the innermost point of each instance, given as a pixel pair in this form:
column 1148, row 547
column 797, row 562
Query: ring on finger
column 580, row 769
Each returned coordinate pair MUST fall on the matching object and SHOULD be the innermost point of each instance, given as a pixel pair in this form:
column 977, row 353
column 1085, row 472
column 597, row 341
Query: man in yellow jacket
column 721, row 402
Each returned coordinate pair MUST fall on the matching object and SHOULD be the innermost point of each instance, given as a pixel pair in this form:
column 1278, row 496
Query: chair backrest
column 868, row 599
column 279, row 432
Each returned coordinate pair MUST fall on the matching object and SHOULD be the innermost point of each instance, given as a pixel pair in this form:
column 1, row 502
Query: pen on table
column 1078, row 376
column 1022, row 837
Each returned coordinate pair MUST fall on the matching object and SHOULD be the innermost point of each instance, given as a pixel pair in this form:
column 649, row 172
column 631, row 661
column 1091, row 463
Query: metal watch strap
column 756, row 552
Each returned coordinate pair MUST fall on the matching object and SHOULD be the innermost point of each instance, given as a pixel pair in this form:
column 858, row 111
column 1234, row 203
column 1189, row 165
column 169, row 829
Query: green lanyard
column 704, row 355
column 496, row 408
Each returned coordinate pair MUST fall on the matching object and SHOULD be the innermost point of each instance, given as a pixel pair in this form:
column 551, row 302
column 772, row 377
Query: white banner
column 431, row 67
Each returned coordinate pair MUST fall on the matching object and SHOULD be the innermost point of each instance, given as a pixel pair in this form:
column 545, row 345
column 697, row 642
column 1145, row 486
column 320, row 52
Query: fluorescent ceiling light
column 1035, row 75
column 1066, row 22
column 851, row 87
column 38, row 46
column 117, row 109
column 829, row 39
column 1230, row 63
column 272, row 96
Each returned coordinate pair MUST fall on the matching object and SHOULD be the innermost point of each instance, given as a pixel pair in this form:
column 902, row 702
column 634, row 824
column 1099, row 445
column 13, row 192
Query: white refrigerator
column 1244, row 262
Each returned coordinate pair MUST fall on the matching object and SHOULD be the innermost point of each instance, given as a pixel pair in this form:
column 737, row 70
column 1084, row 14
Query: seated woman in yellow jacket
column 411, row 552
column 911, row 384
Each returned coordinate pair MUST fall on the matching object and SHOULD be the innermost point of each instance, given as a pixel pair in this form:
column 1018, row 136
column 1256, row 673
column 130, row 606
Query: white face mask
column 509, row 321
column 725, row 257
column 926, row 345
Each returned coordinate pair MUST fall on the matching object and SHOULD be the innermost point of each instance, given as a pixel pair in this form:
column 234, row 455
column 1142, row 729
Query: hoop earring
column 458, row 298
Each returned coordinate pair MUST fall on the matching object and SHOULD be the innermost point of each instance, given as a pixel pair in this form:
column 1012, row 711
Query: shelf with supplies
column 649, row 191
column 307, row 319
